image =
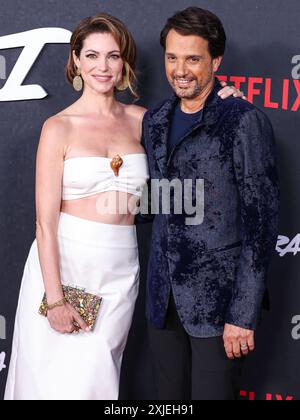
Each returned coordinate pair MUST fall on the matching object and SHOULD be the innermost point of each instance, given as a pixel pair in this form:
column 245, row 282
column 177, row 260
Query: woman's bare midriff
column 113, row 208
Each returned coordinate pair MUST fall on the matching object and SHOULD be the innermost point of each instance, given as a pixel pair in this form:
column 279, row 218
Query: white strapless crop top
column 87, row 176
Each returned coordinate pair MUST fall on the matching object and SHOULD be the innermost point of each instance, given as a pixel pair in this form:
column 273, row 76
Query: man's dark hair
column 200, row 22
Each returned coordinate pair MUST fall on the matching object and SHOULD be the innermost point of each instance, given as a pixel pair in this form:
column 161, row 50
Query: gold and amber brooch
column 116, row 164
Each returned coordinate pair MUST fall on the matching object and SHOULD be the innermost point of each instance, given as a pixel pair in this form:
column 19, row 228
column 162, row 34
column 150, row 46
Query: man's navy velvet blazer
column 216, row 270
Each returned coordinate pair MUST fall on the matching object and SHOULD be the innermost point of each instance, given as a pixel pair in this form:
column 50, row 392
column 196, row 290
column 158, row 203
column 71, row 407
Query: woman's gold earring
column 78, row 82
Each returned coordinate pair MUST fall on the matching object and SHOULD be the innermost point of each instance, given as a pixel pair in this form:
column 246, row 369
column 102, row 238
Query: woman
column 91, row 170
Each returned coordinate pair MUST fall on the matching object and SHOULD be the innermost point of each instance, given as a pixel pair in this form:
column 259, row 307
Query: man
column 206, row 281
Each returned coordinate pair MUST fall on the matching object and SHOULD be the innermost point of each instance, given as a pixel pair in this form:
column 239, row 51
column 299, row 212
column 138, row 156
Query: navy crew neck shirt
column 181, row 123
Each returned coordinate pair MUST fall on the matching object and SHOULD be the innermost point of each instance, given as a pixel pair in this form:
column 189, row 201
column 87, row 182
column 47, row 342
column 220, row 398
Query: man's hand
column 238, row 341
column 228, row 91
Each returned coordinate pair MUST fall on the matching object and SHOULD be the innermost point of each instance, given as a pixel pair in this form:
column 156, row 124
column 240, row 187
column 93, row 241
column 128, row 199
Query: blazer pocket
column 227, row 247
column 204, row 158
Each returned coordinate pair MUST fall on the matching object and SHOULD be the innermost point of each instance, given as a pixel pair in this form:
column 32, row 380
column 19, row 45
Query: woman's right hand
column 63, row 320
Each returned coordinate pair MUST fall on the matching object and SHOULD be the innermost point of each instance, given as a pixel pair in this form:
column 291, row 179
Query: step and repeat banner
column 262, row 59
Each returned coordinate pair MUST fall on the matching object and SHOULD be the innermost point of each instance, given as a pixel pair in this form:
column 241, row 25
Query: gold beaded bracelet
column 57, row 304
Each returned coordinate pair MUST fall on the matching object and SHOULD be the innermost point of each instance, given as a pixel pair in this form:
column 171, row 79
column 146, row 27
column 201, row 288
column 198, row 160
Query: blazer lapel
column 159, row 133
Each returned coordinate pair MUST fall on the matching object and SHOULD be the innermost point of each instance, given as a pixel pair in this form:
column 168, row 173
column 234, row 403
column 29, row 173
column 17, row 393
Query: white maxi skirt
column 46, row 365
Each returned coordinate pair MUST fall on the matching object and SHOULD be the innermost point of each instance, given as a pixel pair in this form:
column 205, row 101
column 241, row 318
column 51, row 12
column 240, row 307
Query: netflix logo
column 288, row 98
column 252, row 396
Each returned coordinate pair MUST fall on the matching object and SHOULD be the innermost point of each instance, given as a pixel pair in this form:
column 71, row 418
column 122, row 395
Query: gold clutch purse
column 86, row 304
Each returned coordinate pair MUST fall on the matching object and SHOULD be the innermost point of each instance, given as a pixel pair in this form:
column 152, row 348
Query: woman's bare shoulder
column 55, row 133
column 61, row 123
column 135, row 111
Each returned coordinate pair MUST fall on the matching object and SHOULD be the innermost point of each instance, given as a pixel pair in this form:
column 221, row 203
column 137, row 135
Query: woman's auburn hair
column 105, row 23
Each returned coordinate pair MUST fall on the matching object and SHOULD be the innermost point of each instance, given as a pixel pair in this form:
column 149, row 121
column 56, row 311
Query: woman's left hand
column 228, row 91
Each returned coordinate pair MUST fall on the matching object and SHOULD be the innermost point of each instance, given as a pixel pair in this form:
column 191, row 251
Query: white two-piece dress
column 103, row 259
